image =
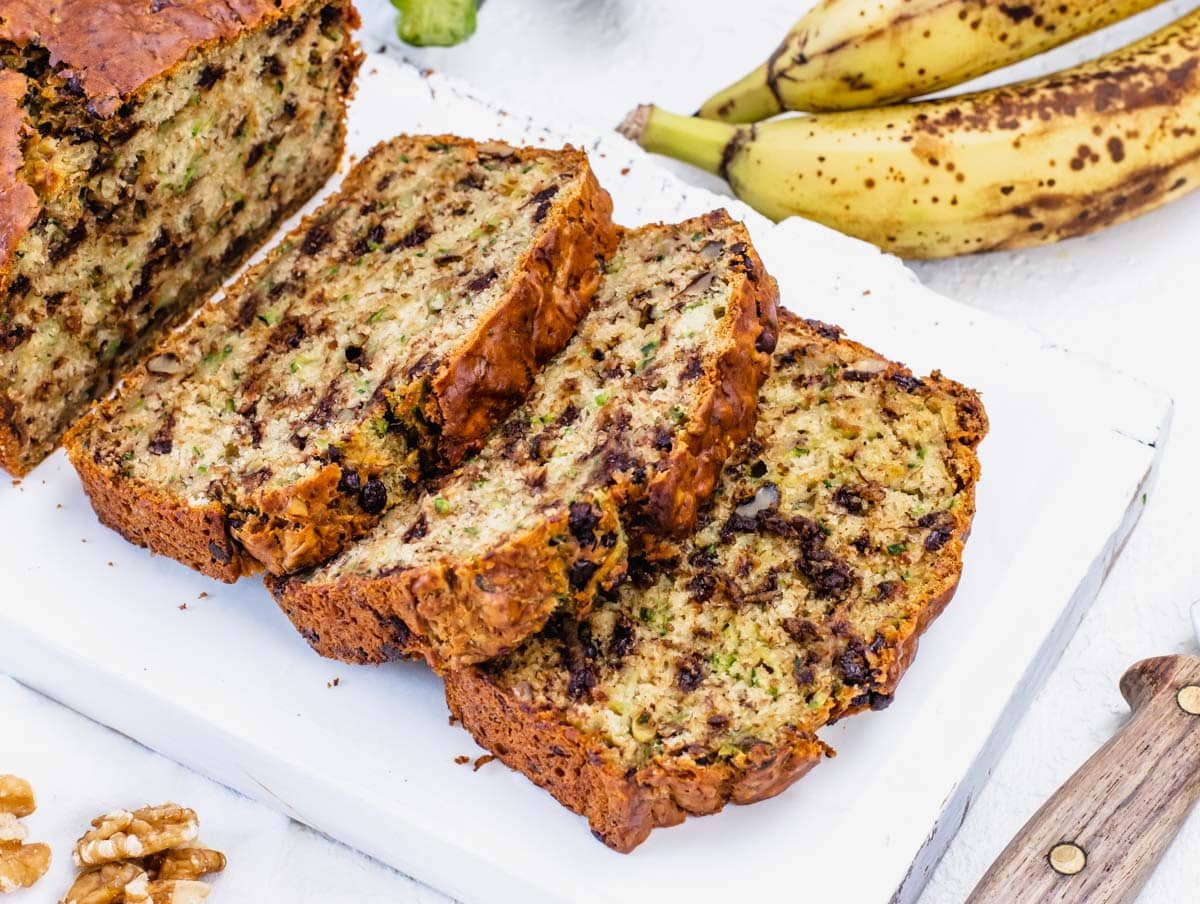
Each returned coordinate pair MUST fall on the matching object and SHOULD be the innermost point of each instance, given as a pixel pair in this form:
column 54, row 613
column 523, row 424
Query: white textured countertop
column 1128, row 296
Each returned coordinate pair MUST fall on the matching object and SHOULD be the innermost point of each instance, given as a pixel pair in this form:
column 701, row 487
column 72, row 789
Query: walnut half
column 147, row 856
column 16, row 796
column 125, row 835
column 104, row 884
column 21, row 864
column 144, row 890
column 184, row 863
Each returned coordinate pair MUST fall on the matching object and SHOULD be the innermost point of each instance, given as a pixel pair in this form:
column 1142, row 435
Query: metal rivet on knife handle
column 1067, row 858
column 1188, row 699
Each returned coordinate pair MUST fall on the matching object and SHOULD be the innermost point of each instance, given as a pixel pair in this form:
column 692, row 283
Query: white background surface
column 1128, row 296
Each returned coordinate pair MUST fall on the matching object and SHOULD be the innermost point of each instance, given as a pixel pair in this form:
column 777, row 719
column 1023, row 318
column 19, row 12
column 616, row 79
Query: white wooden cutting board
column 214, row 677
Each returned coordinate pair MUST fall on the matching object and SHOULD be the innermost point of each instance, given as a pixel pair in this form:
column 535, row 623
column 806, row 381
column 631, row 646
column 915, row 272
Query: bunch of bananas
column 1021, row 165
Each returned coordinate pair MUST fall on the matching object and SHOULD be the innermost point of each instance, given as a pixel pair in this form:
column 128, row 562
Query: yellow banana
column 1028, row 164
column 850, row 54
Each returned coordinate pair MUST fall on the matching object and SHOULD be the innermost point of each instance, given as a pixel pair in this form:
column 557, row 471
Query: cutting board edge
column 958, row 803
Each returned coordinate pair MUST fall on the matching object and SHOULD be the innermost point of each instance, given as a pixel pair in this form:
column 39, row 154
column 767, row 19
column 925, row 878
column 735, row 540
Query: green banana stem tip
column 700, row 142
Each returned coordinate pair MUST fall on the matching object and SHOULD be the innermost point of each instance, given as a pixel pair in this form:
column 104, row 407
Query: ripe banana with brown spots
column 1027, row 164
column 851, row 54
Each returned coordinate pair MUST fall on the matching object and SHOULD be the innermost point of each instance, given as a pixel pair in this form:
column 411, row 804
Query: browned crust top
column 18, row 201
column 553, row 286
column 725, row 413
column 111, row 49
column 114, row 47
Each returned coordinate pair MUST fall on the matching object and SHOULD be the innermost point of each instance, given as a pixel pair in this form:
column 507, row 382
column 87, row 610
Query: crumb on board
column 203, row 595
column 336, row 682
column 462, row 760
column 483, row 761
column 453, row 719
column 182, row 606
column 624, row 171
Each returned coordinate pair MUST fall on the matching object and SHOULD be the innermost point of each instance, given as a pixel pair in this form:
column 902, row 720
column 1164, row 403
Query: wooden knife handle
column 1102, row 833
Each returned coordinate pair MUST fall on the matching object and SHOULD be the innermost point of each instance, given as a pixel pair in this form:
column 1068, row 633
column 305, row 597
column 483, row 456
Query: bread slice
column 834, row 540
column 146, row 149
column 383, row 337
column 624, row 434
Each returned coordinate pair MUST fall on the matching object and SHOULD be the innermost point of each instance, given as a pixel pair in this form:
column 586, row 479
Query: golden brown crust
column 90, row 40
column 554, row 285
column 456, row 613
column 19, row 204
column 197, row 536
column 18, row 209
column 579, row 772
column 308, row 521
column 726, row 413
column 93, row 40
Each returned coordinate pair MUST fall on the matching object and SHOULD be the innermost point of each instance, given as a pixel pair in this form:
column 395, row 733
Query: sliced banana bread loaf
column 146, row 149
column 624, row 433
column 835, row 539
column 384, row 337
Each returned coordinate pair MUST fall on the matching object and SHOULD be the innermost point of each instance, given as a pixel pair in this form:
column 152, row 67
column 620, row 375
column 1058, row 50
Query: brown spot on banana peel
column 1137, row 193
column 1113, row 93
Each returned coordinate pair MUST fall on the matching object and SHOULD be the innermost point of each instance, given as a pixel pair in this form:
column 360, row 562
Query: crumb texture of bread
column 379, row 342
column 620, row 442
column 834, row 539
column 146, row 149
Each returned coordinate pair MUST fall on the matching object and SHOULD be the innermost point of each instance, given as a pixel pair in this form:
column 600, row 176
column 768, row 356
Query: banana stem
column 700, row 142
column 748, row 100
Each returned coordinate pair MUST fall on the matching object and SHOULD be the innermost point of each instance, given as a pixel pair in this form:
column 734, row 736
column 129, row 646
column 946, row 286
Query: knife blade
column 1098, row 838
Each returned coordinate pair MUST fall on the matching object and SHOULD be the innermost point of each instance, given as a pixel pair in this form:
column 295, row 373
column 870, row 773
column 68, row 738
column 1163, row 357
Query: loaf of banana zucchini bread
column 380, row 341
column 146, row 149
column 835, row 538
column 622, row 438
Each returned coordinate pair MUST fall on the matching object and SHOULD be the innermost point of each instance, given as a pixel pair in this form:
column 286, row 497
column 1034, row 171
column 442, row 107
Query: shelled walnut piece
column 21, row 864
column 125, row 835
column 146, row 856
column 128, row 883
